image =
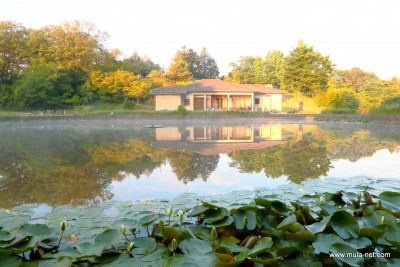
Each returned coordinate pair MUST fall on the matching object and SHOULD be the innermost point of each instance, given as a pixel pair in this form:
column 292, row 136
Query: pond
column 90, row 162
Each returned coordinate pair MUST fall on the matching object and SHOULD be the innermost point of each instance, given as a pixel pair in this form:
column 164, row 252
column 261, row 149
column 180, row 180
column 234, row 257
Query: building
column 213, row 94
column 212, row 140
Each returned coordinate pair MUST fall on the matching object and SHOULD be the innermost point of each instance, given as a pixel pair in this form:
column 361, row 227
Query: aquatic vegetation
column 335, row 228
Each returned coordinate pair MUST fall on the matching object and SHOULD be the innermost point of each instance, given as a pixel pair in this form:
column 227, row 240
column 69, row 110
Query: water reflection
column 90, row 163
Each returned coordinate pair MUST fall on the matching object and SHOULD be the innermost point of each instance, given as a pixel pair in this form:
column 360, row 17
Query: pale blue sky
column 361, row 33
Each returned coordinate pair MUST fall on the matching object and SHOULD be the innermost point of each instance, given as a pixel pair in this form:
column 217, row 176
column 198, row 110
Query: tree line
column 60, row 66
column 306, row 72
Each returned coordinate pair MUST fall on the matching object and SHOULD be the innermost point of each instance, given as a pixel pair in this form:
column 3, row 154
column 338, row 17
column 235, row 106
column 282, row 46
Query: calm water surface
column 57, row 163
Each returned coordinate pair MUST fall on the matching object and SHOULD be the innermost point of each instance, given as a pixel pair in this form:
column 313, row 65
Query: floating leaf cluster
column 266, row 231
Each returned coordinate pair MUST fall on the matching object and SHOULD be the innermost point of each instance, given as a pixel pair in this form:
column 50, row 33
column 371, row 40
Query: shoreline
column 366, row 118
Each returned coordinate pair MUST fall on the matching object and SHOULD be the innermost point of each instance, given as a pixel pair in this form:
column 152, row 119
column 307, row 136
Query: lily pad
column 342, row 252
column 6, row 236
column 195, row 247
column 390, row 200
column 36, row 229
column 287, row 222
column 323, row 242
column 87, row 249
column 344, row 224
column 108, row 237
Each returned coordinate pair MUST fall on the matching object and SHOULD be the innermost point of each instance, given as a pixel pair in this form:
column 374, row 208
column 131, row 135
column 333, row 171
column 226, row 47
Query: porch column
column 205, row 102
column 229, row 106
column 252, row 102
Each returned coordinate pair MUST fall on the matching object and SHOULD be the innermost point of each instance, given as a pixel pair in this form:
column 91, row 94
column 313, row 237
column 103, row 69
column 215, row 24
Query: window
column 187, row 102
column 256, row 101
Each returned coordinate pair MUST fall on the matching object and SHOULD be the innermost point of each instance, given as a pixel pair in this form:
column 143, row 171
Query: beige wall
column 168, row 134
column 271, row 131
column 271, row 103
column 167, row 102
column 276, row 102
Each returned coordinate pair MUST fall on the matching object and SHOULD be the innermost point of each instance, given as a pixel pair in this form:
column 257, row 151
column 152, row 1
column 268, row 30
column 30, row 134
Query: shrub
column 181, row 110
column 337, row 99
column 128, row 104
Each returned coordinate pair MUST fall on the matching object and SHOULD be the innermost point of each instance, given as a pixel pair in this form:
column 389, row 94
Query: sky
column 362, row 33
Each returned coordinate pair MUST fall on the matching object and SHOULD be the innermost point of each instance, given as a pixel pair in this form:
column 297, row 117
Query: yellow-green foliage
column 290, row 103
column 340, row 98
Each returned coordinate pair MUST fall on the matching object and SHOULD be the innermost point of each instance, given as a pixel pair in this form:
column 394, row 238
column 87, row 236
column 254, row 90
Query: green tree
column 242, row 71
column 13, row 57
column 191, row 57
column 43, row 86
column 274, row 62
column 306, row 71
column 207, row 66
column 139, row 65
column 260, row 71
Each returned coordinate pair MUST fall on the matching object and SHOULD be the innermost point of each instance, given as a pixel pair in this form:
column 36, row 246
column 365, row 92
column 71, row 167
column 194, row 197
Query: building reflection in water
column 210, row 140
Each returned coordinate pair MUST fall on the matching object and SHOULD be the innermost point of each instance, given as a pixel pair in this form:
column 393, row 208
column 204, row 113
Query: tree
column 189, row 166
column 260, row 71
column 139, row 65
column 13, row 58
column 191, row 58
column 306, row 71
column 115, row 85
column 43, row 86
column 207, row 66
column 158, row 79
column 359, row 79
column 274, row 63
column 242, row 71
column 75, row 45
column 179, row 71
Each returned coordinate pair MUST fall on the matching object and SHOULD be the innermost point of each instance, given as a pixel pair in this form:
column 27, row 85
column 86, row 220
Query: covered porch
column 229, row 101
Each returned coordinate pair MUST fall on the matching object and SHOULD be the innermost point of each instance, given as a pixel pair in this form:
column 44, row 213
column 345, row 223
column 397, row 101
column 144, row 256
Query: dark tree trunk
column 301, row 106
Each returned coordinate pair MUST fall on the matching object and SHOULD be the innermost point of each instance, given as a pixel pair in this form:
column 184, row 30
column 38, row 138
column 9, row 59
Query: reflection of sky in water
column 162, row 183
column 382, row 164
column 87, row 163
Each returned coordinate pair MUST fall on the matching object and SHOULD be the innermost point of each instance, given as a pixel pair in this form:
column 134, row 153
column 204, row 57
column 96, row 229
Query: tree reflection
column 76, row 166
column 298, row 159
column 189, row 166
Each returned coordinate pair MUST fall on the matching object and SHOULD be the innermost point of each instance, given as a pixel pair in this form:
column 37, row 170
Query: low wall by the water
column 391, row 119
